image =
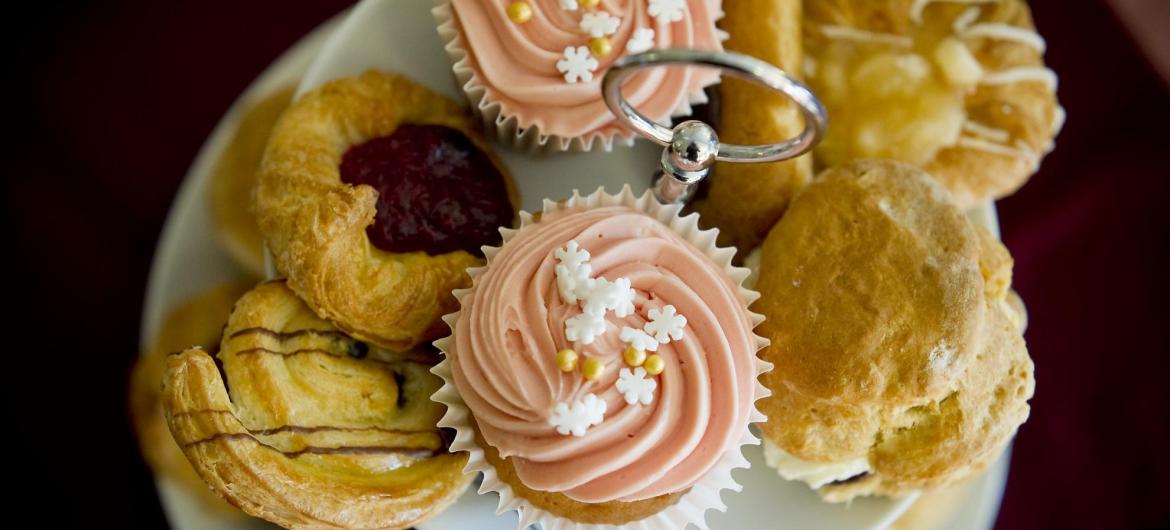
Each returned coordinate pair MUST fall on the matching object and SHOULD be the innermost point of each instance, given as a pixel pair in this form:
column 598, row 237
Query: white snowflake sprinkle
column 569, row 5
column 574, row 283
column 577, row 418
column 667, row 11
column 584, row 328
column 574, row 273
column 572, row 255
column 635, row 387
column 577, row 65
column 599, row 24
column 604, row 295
column 642, row 40
column 666, row 324
column 638, row 339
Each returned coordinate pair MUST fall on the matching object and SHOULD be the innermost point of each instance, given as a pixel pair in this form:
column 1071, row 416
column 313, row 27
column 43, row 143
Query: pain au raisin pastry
column 746, row 200
column 958, row 88
column 899, row 363
column 318, row 430
column 199, row 320
column 234, row 177
column 375, row 196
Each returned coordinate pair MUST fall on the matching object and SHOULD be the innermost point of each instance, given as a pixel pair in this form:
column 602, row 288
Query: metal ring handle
column 739, row 65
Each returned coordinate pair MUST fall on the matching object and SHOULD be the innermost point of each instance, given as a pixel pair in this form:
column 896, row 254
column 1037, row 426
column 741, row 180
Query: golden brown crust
column 318, row 431
column 883, row 306
column 745, row 200
column 234, row 177
column 1023, row 116
column 199, row 320
column 315, row 225
column 611, row 513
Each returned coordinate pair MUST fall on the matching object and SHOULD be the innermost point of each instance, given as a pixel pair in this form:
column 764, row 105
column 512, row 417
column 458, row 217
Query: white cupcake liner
column 506, row 129
column 703, row 495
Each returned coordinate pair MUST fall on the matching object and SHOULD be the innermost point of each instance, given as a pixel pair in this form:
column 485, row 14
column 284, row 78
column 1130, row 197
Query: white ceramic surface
column 399, row 35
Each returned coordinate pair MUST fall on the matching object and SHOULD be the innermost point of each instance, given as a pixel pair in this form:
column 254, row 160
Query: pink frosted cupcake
column 533, row 68
column 602, row 369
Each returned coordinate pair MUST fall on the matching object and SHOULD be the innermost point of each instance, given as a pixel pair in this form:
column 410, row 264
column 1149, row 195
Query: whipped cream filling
column 815, row 474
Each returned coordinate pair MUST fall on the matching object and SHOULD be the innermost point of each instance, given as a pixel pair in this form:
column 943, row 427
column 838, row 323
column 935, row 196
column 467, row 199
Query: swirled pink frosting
column 516, row 63
column 513, row 322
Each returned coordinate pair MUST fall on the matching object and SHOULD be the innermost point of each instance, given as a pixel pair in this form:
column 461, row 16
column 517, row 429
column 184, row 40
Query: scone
column 533, row 69
column 899, row 363
column 318, row 430
column 956, row 88
column 744, row 201
column 602, row 369
column 234, row 177
column 375, row 196
column 197, row 321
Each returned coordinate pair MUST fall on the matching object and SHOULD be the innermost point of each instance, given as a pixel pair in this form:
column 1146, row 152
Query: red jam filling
column 437, row 192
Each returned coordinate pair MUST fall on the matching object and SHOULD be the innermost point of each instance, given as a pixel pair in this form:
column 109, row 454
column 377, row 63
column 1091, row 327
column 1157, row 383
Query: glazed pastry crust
column 888, row 333
column 1026, row 112
column 235, row 175
column 315, row 225
column 744, row 201
column 315, row 433
column 199, row 320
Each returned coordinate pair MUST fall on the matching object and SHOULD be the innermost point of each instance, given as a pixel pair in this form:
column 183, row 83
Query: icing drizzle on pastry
column 861, row 35
column 919, row 6
column 1022, row 74
column 965, row 27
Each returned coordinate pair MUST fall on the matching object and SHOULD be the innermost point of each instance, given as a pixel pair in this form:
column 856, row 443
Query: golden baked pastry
column 198, row 320
column 897, row 363
column 380, row 263
column 317, row 430
column 234, row 176
column 745, row 200
column 957, row 88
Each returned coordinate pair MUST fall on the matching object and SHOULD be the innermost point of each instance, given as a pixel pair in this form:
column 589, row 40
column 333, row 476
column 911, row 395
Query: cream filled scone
column 958, row 88
column 899, row 361
column 533, row 68
column 307, row 427
column 602, row 369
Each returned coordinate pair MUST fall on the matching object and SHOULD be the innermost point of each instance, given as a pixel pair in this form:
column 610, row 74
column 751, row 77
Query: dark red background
column 113, row 101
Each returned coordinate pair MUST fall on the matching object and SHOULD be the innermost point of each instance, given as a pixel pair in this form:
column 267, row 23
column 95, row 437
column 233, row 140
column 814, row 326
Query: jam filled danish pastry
column 375, row 196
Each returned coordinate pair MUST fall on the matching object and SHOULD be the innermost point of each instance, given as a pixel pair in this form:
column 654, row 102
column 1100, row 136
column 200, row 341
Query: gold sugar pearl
column 634, row 357
column 567, row 360
column 519, row 12
column 600, row 46
column 654, row 364
column 588, row 4
column 592, row 368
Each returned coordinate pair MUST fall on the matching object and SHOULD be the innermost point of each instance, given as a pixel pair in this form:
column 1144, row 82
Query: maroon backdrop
column 113, row 101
